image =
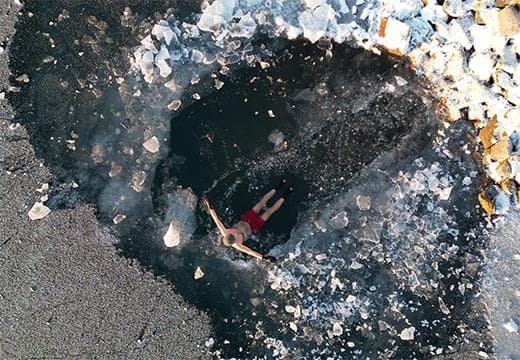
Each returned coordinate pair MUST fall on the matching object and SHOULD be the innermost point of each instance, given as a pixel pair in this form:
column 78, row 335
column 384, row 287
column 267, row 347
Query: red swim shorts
column 253, row 219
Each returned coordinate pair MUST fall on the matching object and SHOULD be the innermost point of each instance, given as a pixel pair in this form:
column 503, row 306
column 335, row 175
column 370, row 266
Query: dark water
column 219, row 145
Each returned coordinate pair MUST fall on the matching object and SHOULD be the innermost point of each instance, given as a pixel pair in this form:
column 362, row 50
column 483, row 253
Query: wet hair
column 229, row 240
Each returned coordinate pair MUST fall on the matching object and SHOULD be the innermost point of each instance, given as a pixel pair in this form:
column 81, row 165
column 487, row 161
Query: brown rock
column 486, row 204
column 504, row 3
column 508, row 186
column 500, row 151
column 504, row 170
column 508, row 21
column 487, row 133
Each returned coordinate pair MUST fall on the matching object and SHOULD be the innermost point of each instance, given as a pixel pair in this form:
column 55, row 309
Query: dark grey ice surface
column 64, row 291
column 501, row 286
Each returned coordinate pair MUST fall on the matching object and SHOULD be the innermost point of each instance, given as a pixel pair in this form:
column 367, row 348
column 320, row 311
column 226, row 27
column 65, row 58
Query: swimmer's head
column 229, row 240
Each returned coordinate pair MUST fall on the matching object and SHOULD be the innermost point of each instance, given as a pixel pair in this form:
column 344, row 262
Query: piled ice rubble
column 469, row 49
column 386, row 260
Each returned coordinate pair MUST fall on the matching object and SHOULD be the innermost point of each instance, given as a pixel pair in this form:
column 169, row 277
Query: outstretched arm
column 248, row 251
column 215, row 217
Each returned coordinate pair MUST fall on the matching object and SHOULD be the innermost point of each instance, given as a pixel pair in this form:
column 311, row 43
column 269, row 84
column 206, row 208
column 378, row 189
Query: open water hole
column 336, row 115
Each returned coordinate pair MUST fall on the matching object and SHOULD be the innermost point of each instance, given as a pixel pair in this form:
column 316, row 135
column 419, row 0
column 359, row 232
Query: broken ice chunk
column 400, row 81
column 174, row 105
column 163, row 32
column 453, row 8
column 160, row 61
column 118, row 218
column 214, row 15
column 337, row 330
column 315, row 21
column 511, row 326
column 146, row 63
column 443, row 307
column 147, row 42
column 502, row 203
column 481, row 64
column 218, row 84
column 172, row 85
column 164, row 69
column 339, row 221
column 199, row 274
column 277, row 138
column 363, row 202
column 271, row 113
column 407, row 334
column 38, row 211
column 290, row 309
column 293, row 326
column 172, row 236
column 197, row 56
column 152, row 145
column 245, row 28
column 321, row 257
column 356, row 265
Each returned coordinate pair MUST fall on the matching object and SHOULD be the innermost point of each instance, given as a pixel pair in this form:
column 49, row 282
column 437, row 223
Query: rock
column 394, row 35
column 500, row 150
column 481, row 64
column 199, row 274
column 407, row 334
column 503, row 3
column 152, row 145
column 508, row 21
column 487, row 133
column 487, row 206
column 453, row 8
column 38, row 211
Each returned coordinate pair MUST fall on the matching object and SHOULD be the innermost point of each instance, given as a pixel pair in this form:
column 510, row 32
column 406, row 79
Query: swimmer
column 250, row 222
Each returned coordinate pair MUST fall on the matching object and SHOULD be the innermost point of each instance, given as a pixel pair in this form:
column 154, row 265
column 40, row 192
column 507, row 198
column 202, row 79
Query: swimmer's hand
column 269, row 258
column 206, row 204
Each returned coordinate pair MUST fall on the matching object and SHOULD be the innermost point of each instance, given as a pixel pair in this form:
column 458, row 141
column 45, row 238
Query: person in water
column 251, row 222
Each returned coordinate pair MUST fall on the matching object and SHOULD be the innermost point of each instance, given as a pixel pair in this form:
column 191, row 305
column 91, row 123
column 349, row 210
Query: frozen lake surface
column 380, row 247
